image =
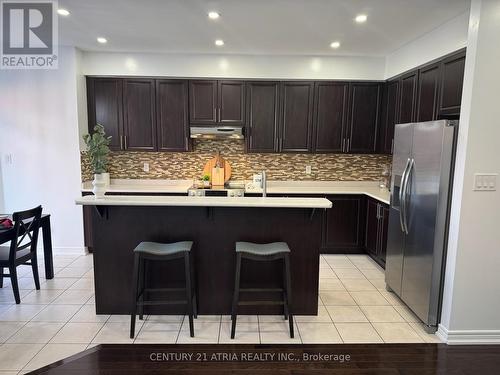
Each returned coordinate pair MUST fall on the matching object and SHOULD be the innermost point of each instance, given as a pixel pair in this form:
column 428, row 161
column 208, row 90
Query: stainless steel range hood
column 213, row 132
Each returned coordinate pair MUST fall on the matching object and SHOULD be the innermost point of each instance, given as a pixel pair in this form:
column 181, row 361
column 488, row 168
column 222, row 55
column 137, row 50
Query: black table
column 7, row 235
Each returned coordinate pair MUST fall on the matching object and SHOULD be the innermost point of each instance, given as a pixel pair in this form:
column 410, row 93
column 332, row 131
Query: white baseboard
column 69, row 250
column 468, row 337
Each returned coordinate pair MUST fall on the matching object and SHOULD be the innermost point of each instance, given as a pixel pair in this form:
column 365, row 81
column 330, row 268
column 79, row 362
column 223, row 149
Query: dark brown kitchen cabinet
column 344, row 224
column 203, row 102
column 428, row 92
column 139, row 122
column 104, row 101
column 296, row 116
column 363, row 118
column 452, row 79
column 172, row 115
column 330, row 116
column 390, row 113
column 375, row 240
column 217, row 102
column 407, row 97
column 262, row 116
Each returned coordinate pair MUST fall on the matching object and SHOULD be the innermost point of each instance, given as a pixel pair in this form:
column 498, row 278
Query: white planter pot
column 99, row 185
column 106, row 179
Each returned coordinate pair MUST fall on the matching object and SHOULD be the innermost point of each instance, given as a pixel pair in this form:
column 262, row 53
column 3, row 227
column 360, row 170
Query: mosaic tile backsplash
column 188, row 165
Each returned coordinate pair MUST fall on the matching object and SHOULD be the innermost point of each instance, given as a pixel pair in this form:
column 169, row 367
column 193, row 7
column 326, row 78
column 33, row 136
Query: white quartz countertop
column 268, row 202
column 370, row 189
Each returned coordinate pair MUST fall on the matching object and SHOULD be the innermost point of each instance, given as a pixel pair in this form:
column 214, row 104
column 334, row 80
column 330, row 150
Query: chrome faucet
column 264, row 184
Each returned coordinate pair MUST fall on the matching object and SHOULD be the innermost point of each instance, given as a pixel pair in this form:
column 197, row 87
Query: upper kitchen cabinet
column 390, row 112
column 172, row 115
column 104, row 101
column 296, row 116
column 231, row 99
column 452, row 78
column 139, row 120
column 330, row 115
column 217, row 102
column 262, row 116
column 407, row 97
column 203, row 102
column 363, row 119
column 428, row 92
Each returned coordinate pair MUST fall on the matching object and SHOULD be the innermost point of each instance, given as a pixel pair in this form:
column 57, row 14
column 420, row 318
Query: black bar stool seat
column 156, row 251
column 263, row 252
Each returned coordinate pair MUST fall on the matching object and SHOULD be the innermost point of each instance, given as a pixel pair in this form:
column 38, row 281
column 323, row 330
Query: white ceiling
column 288, row 27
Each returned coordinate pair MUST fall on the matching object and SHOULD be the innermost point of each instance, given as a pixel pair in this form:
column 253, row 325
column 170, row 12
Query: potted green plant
column 98, row 150
column 206, row 180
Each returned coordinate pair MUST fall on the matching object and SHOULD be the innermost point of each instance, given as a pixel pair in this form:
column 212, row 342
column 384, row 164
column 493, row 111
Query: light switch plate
column 145, row 167
column 485, row 181
column 308, row 169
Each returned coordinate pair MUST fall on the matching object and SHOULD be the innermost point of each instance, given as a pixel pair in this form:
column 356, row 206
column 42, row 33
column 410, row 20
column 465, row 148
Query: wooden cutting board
column 213, row 162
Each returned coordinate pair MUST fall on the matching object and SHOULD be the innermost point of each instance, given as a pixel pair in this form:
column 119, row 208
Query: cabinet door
column 262, row 116
column 428, row 91
column 104, row 101
column 343, row 230
column 139, row 115
column 452, row 80
column 231, row 102
column 296, row 116
column 389, row 117
column 372, row 226
column 408, row 94
column 203, row 102
column 384, row 228
column 172, row 115
column 330, row 114
column 363, row 118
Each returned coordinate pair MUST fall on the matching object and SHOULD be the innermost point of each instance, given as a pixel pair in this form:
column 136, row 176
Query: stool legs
column 288, row 299
column 189, row 298
column 133, row 307
column 236, row 295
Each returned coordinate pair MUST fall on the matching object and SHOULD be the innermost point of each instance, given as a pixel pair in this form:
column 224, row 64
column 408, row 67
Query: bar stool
column 154, row 251
column 263, row 252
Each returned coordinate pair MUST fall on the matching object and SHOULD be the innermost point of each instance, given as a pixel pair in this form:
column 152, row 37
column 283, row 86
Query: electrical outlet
column 308, row 169
column 145, row 167
column 485, row 181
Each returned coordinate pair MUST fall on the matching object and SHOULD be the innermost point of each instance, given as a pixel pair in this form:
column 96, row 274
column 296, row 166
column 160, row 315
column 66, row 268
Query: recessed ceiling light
column 219, row 42
column 213, row 15
column 63, row 12
column 335, row 44
column 360, row 18
column 102, row 40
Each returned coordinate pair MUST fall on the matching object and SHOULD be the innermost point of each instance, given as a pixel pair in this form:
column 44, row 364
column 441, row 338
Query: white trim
column 75, row 250
column 468, row 337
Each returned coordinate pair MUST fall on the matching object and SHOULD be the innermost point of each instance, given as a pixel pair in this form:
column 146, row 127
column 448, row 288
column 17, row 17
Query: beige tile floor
column 59, row 320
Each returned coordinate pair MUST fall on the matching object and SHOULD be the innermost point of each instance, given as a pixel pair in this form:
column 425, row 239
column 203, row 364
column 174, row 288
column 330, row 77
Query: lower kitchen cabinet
column 344, row 225
column 377, row 220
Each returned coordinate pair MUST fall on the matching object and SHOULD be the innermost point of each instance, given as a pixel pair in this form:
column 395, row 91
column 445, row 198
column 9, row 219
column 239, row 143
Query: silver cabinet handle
column 392, row 146
column 343, row 144
column 401, row 191
column 125, row 142
column 121, row 142
column 348, row 144
column 215, row 114
column 220, row 119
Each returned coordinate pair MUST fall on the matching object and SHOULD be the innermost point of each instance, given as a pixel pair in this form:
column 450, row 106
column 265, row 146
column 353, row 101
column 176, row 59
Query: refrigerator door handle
column 401, row 196
column 405, row 195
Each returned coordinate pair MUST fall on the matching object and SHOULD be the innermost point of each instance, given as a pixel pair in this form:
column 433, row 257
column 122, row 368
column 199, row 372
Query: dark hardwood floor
column 383, row 359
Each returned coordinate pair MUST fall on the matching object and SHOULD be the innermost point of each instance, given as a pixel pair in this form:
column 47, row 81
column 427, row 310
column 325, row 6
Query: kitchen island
column 214, row 224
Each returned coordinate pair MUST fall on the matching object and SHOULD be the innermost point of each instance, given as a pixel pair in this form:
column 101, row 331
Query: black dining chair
column 22, row 248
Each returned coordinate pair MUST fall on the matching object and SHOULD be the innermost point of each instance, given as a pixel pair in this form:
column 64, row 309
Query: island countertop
column 184, row 201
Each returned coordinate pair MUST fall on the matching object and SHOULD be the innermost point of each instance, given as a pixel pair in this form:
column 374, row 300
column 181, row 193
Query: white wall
column 449, row 37
column 38, row 127
column 471, row 306
column 234, row 66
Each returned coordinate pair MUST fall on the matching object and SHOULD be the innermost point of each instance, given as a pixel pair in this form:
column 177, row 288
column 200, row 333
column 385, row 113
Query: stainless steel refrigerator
column 422, row 173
